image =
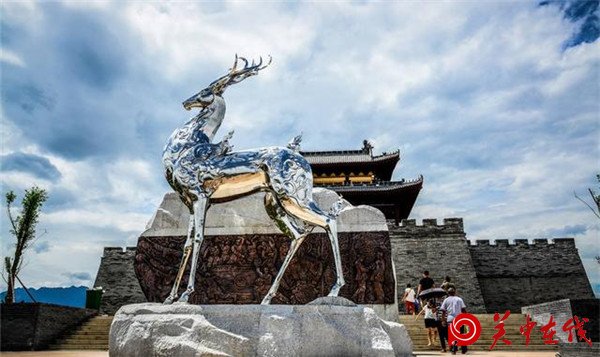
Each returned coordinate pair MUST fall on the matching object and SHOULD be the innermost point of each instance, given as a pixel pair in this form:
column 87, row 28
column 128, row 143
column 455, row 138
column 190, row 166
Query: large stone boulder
column 243, row 250
column 330, row 327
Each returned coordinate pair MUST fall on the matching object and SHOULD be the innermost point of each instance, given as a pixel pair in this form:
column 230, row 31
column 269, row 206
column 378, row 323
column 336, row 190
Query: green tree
column 23, row 230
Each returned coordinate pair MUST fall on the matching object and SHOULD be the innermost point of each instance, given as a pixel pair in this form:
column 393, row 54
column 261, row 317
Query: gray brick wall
column 33, row 326
column 117, row 278
column 565, row 309
column 560, row 310
column 521, row 274
column 440, row 248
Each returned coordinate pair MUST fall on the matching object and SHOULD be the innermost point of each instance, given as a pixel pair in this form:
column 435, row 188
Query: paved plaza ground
column 419, row 354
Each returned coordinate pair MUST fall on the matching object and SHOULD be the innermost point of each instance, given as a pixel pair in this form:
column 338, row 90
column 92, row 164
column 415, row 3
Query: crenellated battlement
column 505, row 273
column 429, row 228
column 500, row 243
column 118, row 252
column 117, row 279
column 519, row 272
column 435, row 246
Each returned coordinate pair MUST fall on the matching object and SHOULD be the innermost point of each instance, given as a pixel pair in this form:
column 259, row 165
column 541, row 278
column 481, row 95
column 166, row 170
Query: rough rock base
column 325, row 327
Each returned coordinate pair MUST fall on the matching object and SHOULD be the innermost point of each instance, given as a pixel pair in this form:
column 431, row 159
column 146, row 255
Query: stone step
column 484, row 332
column 80, row 347
column 530, row 348
column 418, row 334
column 487, row 342
column 96, row 333
column 99, row 324
column 93, row 329
column 483, row 323
column 79, row 339
column 485, row 337
column 91, row 335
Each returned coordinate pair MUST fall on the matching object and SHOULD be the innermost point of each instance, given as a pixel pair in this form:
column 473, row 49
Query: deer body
column 204, row 173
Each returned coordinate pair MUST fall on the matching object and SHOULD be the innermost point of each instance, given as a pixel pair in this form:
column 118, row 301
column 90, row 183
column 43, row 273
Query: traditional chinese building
column 365, row 179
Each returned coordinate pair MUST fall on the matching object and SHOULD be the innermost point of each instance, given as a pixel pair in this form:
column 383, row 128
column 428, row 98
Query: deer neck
column 211, row 122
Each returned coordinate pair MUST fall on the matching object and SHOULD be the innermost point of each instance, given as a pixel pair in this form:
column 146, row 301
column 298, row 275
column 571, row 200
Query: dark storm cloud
column 93, row 54
column 28, row 97
column 569, row 231
column 36, row 165
column 74, row 61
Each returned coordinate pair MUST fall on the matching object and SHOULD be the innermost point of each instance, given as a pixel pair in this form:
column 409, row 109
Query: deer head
column 235, row 75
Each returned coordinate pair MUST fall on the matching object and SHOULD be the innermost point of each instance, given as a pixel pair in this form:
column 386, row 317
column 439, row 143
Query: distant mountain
column 73, row 296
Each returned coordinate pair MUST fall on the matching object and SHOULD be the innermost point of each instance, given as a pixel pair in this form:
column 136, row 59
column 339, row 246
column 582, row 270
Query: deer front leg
column 335, row 247
column 200, row 207
column 273, row 290
column 187, row 250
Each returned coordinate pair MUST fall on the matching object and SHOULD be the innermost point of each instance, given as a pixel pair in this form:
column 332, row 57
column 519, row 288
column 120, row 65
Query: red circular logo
column 473, row 330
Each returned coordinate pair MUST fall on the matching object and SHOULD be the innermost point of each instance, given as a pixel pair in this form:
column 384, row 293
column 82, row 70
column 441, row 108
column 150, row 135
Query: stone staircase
column 418, row 334
column 91, row 335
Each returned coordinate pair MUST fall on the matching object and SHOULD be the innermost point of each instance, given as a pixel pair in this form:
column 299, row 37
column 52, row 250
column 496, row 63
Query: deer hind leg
column 290, row 228
column 313, row 215
column 200, row 207
column 331, row 230
column 187, row 250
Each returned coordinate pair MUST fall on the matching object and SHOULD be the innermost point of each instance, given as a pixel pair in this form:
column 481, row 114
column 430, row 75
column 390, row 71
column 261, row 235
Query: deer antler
column 236, row 75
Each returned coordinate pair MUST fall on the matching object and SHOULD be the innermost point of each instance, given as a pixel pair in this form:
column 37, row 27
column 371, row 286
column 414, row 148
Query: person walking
column 409, row 299
column 425, row 283
column 447, row 284
column 454, row 306
column 442, row 327
column 430, row 320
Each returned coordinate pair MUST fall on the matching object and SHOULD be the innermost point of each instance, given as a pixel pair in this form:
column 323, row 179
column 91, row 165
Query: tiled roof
column 382, row 186
column 336, row 157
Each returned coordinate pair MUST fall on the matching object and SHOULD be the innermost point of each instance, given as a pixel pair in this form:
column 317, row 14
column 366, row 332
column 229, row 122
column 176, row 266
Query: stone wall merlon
column 112, row 250
column 430, row 222
column 408, row 223
column 502, row 242
column 458, row 222
column 499, row 243
column 117, row 251
column 429, row 226
column 564, row 242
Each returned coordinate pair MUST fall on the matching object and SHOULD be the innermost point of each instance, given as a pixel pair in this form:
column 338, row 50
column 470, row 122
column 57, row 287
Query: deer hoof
column 185, row 296
column 267, row 300
column 169, row 300
column 335, row 290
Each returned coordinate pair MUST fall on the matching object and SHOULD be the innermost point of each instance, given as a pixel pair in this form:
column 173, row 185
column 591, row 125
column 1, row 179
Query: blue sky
column 495, row 103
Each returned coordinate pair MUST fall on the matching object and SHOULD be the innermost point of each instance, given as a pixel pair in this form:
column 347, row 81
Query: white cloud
column 11, row 58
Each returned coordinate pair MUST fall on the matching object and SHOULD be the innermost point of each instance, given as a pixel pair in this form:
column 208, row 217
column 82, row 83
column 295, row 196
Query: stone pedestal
column 325, row 327
column 244, row 249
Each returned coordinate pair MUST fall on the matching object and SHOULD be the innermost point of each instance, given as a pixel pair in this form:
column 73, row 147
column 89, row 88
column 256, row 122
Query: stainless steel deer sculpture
column 203, row 173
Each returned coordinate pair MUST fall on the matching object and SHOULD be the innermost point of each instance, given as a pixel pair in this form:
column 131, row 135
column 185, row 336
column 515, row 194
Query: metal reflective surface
column 204, row 173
